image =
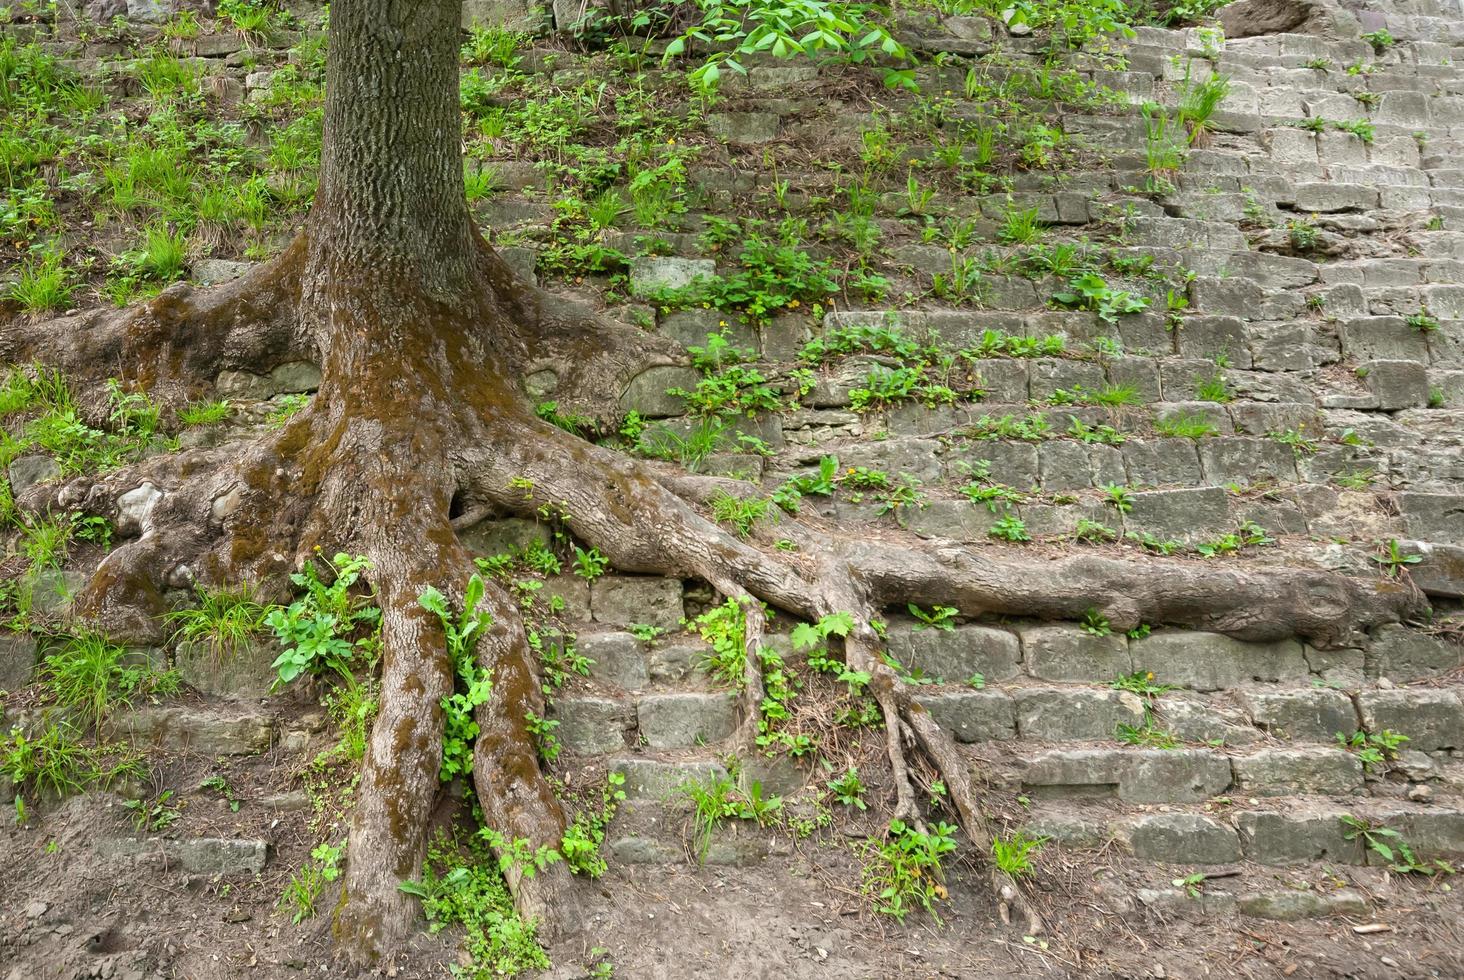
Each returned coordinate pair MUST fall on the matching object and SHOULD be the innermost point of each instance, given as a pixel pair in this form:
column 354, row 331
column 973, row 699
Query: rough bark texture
column 422, row 334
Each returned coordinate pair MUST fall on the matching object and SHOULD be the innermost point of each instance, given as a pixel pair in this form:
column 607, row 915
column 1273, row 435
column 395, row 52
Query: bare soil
column 68, row 910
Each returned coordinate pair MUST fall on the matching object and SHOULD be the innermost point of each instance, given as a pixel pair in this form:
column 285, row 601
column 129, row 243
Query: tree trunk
column 394, row 287
column 389, row 208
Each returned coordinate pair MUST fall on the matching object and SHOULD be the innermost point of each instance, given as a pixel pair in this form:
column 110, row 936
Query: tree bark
column 398, row 289
column 389, row 207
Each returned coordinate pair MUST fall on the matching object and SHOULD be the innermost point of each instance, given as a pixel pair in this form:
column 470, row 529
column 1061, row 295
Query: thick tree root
column 416, row 425
column 174, row 345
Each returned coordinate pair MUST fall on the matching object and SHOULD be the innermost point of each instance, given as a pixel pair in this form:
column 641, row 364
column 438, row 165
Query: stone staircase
column 1319, row 344
column 1318, row 274
column 1256, row 778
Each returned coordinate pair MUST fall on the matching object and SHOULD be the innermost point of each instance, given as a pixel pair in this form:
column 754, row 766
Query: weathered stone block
column 1005, row 381
column 955, row 655
column 1066, row 828
column 918, row 457
column 1246, row 461
column 1213, row 662
column 649, row 274
column 19, row 655
column 1067, row 653
column 592, row 726
column 1287, row 838
column 1432, row 719
column 1193, row 719
column 1383, row 338
column 972, row 716
column 1060, row 714
column 513, row 15
column 1327, row 196
column 1401, row 654
column 1209, row 337
column 1012, row 463
column 26, row 471
column 506, row 536
column 616, row 658
column 214, row 272
column 244, row 671
column 1179, row 514
column 150, row 11
column 956, row 519
column 649, row 392
column 1161, row 461
column 1432, row 833
column 690, row 328
column 1064, row 466
column 1310, row 715
column 1434, row 516
column 1143, row 776
column 1396, row 384
column 653, row 779
column 1291, row 905
column 669, row 721
column 204, row 732
column 200, row 855
column 1183, row 838
column 744, row 127
column 677, row 658
column 572, row 593
column 1282, row 772
column 623, row 600
column 1050, row 374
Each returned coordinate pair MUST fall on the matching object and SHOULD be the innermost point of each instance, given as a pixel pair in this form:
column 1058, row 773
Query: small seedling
column 848, row 790
column 1140, row 682
column 939, row 617
column 645, row 632
column 153, row 815
column 1192, row 884
column 1120, row 497
column 1392, row 559
column 1010, row 528
column 1148, row 735
column 743, row 513
column 221, row 785
column 1095, row 623
column 1015, row 853
column 1373, row 749
column 1389, row 845
column 589, row 565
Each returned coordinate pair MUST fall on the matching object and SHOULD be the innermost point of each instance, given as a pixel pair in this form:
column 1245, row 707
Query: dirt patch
column 71, row 908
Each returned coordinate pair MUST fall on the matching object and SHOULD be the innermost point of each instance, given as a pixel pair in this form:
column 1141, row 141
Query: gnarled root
column 621, row 508
column 417, row 419
column 175, row 344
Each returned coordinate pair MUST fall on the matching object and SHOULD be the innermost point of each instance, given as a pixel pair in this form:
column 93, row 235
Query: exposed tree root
column 174, row 345
column 416, row 421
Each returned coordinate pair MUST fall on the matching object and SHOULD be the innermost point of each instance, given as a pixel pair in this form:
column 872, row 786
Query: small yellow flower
column 1149, row 676
column 792, row 304
column 670, row 141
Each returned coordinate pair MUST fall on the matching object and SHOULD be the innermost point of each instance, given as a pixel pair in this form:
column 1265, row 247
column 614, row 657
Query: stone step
column 1229, row 834
column 1268, row 856
column 1243, row 716
column 1432, row 719
column 1194, row 775
column 1058, row 652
